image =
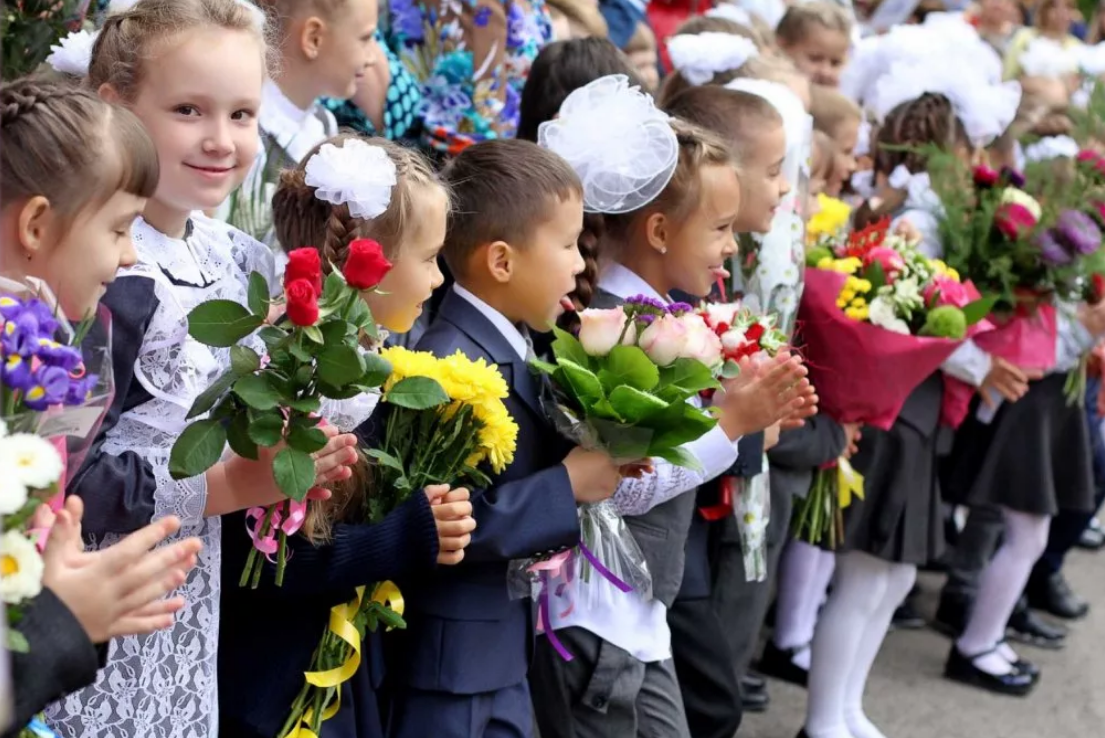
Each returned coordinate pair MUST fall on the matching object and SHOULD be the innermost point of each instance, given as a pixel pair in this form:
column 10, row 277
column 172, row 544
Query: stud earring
column 663, row 250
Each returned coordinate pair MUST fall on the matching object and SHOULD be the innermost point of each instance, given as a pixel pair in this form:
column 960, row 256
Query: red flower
column 860, row 242
column 302, row 302
column 366, row 265
column 1097, row 287
column 754, row 333
column 304, row 264
column 890, row 260
column 1086, row 156
column 1014, row 220
column 985, row 177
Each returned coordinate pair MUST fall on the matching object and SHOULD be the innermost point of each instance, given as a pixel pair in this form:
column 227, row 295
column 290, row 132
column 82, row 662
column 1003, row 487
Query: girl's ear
column 658, row 232
column 36, row 220
column 500, row 261
column 311, row 37
column 108, row 93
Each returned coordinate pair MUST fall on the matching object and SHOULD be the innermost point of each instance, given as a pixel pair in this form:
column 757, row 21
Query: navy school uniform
column 459, row 669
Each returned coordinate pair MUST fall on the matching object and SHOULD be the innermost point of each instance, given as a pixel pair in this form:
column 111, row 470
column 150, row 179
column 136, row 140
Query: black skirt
column 899, row 518
column 1033, row 457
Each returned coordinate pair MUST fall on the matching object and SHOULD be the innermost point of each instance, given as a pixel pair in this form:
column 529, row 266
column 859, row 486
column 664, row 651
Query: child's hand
column 1009, row 381
column 117, row 591
column 1092, row 317
column 593, row 474
column 851, row 436
column 771, row 436
column 765, row 394
column 453, row 516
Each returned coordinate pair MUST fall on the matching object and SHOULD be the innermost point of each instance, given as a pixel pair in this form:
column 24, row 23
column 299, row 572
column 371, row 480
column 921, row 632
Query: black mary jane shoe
column 962, row 669
column 753, row 682
column 802, row 734
column 779, row 663
column 1025, row 667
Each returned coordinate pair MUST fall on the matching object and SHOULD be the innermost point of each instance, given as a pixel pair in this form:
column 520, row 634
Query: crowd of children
column 517, row 167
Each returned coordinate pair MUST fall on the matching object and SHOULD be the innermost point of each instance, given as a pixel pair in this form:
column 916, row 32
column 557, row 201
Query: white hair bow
column 357, row 174
column 1052, row 147
column 698, row 57
column 73, row 54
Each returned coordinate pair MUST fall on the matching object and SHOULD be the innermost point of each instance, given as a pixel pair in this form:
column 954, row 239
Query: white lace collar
column 185, row 260
column 293, row 129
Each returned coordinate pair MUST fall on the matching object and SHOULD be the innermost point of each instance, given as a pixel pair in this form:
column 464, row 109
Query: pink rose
column 1014, row 220
column 702, row 343
column 890, row 260
column 947, row 292
column 664, row 340
column 599, row 330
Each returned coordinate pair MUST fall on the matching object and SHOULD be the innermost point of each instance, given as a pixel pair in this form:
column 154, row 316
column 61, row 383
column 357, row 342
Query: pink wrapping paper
column 863, row 373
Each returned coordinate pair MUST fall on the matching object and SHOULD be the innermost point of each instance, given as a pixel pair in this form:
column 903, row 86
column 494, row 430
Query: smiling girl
column 192, row 71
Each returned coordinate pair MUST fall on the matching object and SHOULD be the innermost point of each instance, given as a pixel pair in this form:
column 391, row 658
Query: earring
column 663, row 250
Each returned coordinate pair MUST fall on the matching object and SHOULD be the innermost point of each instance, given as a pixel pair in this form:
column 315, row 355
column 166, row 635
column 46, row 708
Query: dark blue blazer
column 465, row 634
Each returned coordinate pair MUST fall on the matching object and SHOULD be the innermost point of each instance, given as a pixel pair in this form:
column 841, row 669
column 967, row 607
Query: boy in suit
column 461, row 664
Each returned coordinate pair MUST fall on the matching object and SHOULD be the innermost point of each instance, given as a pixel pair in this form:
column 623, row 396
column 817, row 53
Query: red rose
column 754, row 333
column 1014, row 220
column 1097, row 287
column 985, row 177
column 890, row 260
column 302, row 302
column 304, row 264
column 366, row 265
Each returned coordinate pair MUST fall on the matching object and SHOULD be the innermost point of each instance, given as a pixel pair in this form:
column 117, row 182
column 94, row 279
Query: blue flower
column 56, row 354
column 510, row 108
column 483, row 15
column 54, row 382
column 406, row 20
column 515, row 26
column 80, row 390
column 16, row 372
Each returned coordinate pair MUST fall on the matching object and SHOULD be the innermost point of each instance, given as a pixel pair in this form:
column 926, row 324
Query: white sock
column 1000, row 586
column 860, row 587
column 801, row 658
column 1006, row 652
column 801, row 571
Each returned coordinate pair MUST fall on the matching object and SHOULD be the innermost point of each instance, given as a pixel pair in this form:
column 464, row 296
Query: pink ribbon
column 287, row 518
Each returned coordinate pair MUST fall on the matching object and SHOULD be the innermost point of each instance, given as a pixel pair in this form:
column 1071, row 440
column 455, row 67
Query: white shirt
column 510, row 331
column 623, row 618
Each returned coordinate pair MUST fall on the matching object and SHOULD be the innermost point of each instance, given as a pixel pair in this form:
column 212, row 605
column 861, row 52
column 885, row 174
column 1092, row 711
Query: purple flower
column 646, row 301
column 406, row 19
column 21, row 333
column 646, row 318
column 679, row 308
column 1078, row 232
column 483, row 15
column 16, row 372
column 54, row 382
column 56, row 354
column 80, row 389
column 1051, row 251
column 1013, row 177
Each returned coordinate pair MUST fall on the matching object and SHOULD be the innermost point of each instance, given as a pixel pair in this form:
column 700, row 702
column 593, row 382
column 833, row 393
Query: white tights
column 804, row 574
column 850, row 631
column 999, row 587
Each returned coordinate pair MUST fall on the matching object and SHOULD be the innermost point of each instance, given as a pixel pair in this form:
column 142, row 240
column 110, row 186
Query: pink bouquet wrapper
column 863, row 373
column 1025, row 340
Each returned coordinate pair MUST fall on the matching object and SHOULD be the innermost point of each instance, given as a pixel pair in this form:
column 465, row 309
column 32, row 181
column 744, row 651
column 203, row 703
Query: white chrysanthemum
column 73, row 54
column 21, row 568
column 907, row 294
column 881, row 313
column 13, row 494
column 32, row 461
column 3, row 429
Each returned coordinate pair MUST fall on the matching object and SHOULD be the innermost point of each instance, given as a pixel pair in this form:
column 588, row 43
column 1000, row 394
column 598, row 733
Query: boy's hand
column 765, row 394
column 453, row 517
column 593, row 474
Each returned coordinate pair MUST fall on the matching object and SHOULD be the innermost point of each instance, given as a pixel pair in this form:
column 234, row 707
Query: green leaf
column 361, row 316
column 630, row 366
column 979, row 309
column 680, row 423
column 731, row 369
column 679, row 457
column 17, row 642
column 340, row 365
column 543, row 366
column 272, row 336
column 338, row 393
column 333, row 288
column 334, row 332
column 603, row 409
column 386, row 459
column 581, row 383
column 296, row 349
column 307, row 440
column 312, row 332
column 417, row 393
column 266, row 429
column 305, row 404
column 259, row 295
column 222, row 323
column 244, row 360
column 294, row 472
column 237, row 435
column 634, row 405
column 567, row 346
column 377, row 370
column 212, row 394
column 692, row 376
column 256, row 392
column 876, row 276
column 197, row 449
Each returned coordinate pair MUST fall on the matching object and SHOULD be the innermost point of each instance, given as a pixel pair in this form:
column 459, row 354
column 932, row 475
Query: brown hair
column 130, row 37
column 675, row 83
column 604, row 236
column 830, row 109
column 799, row 19
column 643, row 39
column 71, row 147
column 823, row 159
column 583, row 14
column 502, row 189
column 731, row 114
column 1045, row 7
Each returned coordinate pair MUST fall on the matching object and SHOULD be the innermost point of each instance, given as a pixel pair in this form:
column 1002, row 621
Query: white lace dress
column 164, row 685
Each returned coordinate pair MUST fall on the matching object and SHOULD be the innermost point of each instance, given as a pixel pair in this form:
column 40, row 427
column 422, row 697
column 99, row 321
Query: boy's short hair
column 829, row 108
column 731, row 114
column 502, row 190
column 799, row 19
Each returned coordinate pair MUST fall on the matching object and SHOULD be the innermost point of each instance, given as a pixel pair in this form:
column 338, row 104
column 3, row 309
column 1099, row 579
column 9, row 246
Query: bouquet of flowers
column 314, row 352
column 445, row 424
column 874, row 295
column 830, row 223
column 742, row 333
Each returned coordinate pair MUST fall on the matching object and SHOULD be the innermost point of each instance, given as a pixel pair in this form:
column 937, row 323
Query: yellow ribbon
column 342, row 619
column 849, row 482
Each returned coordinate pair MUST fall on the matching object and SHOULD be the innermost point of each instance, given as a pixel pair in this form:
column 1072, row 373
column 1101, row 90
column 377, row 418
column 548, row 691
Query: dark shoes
column 1027, row 627
column 951, row 616
column 1053, row 595
column 906, row 617
column 1017, row 683
column 754, row 696
column 779, row 663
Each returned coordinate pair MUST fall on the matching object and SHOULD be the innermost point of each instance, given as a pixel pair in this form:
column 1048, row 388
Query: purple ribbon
column 601, row 569
column 546, row 624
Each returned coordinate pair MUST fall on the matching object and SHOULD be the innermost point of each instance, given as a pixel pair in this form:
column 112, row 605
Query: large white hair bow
column 357, row 174
column 622, row 147
column 698, row 57
column 73, row 54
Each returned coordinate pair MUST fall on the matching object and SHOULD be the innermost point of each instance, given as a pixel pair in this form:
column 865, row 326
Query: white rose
column 599, row 330
column 702, row 343
column 32, row 461
column 881, row 313
column 21, row 568
column 664, row 340
column 733, row 339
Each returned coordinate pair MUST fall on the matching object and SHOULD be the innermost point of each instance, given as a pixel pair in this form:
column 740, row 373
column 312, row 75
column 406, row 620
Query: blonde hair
column 129, row 38
column 582, row 13
column 1045, row 7
column 799, row 19
column 823, row 159
column 830, row 109
column 280, row 12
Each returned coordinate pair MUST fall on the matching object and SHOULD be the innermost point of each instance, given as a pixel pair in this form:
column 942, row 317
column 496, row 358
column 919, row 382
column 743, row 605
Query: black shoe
column 1025, row 667
column 951, row 616
column 906, row 617
column 779, row 663
column 962, row 669
column 802, row 734
column 755, row 701
column 1053, row 595
column 1029, row 628
column 753, row 682
column 1092, row 539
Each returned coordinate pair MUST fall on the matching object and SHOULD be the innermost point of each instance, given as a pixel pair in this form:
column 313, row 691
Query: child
column 841, row 119
column 337, row 551
column 822, row 165
column 705, row 58
column 816, row 36
column 76, row 173
column 669, row 229
column 459, row 669
column 325, row 49
column 576, row 19
column 644, row 57
column 192, row 71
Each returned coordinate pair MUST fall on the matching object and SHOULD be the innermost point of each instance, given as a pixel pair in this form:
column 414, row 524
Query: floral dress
column 471, row 58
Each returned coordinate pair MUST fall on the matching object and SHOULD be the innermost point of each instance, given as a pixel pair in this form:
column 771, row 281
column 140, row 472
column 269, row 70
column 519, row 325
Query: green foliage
column 29, row 28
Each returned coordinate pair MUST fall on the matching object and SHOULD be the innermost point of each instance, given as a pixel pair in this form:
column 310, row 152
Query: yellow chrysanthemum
column 406, row 363
column 831, row 219
column 471, row 381
column 498, row 434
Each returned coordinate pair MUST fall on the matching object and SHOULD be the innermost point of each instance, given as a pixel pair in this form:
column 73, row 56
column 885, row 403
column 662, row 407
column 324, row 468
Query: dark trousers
column 709, row 684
